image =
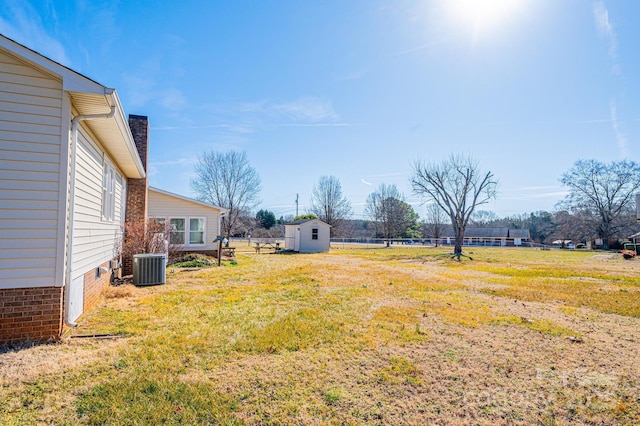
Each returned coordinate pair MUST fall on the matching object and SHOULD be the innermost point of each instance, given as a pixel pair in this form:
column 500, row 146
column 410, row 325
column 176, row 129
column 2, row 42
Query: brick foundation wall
column 93, row 287
column 30, row 314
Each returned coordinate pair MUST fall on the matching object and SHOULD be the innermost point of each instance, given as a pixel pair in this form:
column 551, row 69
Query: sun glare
column 483, row 16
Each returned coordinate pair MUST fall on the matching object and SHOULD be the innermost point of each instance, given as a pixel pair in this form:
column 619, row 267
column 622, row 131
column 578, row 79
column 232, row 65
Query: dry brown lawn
column 398, row 336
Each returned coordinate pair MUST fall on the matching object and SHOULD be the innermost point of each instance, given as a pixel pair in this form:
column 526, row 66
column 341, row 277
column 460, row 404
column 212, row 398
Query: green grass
column 364, row 336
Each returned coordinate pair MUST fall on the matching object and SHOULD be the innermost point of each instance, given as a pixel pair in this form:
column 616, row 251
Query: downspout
column 72, row 192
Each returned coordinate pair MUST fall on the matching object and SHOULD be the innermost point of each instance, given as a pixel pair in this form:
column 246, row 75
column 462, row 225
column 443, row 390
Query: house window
column 108, row 192
column 314, row 234
column 176, row 235
column 196, row 231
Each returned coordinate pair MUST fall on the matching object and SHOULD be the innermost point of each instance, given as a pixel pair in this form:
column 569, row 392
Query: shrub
column 149, row 237
column 194, row 260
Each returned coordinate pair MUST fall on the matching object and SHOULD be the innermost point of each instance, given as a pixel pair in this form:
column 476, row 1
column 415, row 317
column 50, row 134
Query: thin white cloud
column 354, row 75
column 156, row 166
column 140, row 89
column 173, row 99
column 423, row 47
column 145, row 87
column 607, row 31
column 604, row 120
column 534, row 192
column 307, row 109
column 616, row 125
column 541, row 195
column 272, row 114
column 178, row 162
column 386, row 175
column 535, row 188
column 366, row 183
column 320, row 125
column 22, row 23
column 230, row 127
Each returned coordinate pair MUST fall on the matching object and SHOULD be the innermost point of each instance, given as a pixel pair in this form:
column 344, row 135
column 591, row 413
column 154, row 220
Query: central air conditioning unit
column 149, row 269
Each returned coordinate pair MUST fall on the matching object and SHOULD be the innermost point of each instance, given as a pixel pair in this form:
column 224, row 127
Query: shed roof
column 301, row 221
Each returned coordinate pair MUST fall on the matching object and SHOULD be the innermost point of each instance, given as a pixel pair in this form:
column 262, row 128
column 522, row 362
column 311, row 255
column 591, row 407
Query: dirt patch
column 27, row 362
column 604, row 256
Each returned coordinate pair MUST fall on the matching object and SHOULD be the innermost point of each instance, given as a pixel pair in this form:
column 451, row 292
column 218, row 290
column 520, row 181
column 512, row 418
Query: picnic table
column 267, row 245
column 229, row 251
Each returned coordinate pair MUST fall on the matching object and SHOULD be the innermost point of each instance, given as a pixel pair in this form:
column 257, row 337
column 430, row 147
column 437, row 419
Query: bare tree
column 392, row 216
column 456, row 185
column 328, row 202
column 605, row 191
column 434, row 221
column 483, row 218
column 226, row 179
column 571, row 226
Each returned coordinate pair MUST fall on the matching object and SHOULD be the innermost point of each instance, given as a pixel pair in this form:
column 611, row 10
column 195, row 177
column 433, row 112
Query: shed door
column 297, row 240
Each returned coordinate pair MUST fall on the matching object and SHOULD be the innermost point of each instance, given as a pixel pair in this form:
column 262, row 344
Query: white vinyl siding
column 95, row 240
column 165, row 206
column 30, row 157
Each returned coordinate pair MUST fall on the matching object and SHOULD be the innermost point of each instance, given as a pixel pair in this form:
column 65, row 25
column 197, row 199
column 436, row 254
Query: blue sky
column 360, row 89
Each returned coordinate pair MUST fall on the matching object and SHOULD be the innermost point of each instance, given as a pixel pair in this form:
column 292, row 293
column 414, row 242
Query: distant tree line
column 600, row 204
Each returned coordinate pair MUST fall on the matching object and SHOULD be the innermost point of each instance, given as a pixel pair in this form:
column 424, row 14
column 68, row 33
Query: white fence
column 431, row 242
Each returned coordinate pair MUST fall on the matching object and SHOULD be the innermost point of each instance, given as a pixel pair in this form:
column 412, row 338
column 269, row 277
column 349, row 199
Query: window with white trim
column 196, row 230
column 108, row 192
column 177, row 233
column 314, row 233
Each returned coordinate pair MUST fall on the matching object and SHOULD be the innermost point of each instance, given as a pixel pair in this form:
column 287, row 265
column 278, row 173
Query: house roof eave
column 89, row 97
column 221, row 210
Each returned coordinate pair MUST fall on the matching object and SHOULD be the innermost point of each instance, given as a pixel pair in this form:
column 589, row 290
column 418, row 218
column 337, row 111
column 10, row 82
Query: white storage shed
column 307, row 236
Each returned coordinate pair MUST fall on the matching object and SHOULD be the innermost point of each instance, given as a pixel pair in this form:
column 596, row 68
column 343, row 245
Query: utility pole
column 297, row 197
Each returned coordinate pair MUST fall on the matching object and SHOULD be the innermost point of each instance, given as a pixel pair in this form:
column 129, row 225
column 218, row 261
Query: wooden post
column 219, row 251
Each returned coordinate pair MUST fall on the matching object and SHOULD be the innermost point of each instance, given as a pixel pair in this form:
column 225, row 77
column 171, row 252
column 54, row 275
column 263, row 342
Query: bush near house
column 194, row 260
column 149, row 237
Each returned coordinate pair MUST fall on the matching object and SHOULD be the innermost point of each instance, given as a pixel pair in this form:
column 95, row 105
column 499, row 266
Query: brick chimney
column 136, row 210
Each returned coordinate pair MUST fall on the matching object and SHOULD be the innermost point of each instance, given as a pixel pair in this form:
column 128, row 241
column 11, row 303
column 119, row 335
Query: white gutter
column 72, row 192
column 123, row 124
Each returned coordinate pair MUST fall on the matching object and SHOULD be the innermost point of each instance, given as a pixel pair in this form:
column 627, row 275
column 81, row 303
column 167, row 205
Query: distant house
column 69, row 170
column 194, row 224
column 519, row 236
column 489, row 236
column 307, row 236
